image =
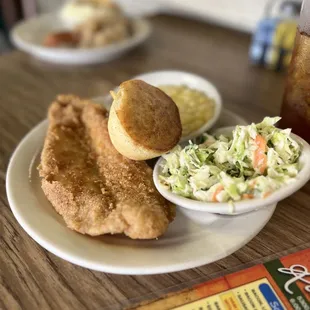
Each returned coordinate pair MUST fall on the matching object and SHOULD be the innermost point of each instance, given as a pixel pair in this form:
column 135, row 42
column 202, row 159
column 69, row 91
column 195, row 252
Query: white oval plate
column 28, row 36
column 187, row 244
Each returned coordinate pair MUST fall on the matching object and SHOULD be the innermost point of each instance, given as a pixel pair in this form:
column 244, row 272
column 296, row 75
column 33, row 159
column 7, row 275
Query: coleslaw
column 253, row 163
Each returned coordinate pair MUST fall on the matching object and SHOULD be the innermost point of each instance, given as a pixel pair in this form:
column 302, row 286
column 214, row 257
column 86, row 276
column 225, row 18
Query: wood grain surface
column 32, row 278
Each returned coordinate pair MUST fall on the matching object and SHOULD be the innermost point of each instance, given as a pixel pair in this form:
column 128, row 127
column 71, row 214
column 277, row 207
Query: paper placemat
column 279, row 284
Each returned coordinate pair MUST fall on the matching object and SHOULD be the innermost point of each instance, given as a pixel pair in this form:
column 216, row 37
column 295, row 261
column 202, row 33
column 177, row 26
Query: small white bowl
column 158, row 78
column 244, row 205
column 28, row 36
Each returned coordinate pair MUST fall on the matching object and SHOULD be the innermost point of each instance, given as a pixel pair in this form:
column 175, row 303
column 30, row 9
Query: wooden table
column 32, row 278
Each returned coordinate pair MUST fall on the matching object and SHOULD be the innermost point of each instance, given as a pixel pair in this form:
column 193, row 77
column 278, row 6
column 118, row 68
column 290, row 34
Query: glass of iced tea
column 296, row 101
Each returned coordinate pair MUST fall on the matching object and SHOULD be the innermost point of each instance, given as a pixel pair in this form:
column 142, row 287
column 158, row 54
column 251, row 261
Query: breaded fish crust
column 93, row 187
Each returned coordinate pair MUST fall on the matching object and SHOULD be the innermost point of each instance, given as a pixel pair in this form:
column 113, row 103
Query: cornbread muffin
column 144, row 122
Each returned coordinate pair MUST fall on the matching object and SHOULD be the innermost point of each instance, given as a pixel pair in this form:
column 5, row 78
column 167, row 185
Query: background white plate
column 28, row 36
column 186, row 244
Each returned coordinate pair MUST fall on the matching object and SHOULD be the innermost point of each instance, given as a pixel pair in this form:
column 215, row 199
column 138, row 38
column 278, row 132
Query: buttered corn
column 195, row 107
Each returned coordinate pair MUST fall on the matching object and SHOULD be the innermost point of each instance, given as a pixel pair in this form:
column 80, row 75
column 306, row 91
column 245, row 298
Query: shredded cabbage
column 257, row 160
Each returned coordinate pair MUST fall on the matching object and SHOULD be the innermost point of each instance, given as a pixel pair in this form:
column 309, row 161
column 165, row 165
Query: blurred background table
column 32, row 278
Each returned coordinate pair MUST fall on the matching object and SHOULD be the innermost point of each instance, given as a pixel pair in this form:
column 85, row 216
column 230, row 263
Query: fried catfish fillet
column 94, row 188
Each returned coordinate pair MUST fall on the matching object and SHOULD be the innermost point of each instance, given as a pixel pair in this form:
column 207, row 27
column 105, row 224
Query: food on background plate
column 144, row 122
column 105, row 24
column 63, row 39
column 75, row 12
column 195, row 107
column 256, row 161
column 97, row 32
column 94, row 188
